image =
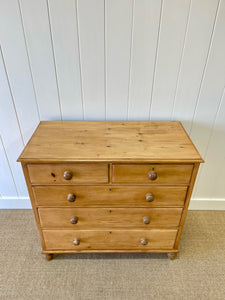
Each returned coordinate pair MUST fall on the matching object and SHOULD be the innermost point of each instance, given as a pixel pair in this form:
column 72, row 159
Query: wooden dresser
column 110, row 186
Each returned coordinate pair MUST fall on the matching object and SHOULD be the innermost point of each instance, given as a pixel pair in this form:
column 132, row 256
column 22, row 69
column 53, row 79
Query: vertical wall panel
column 7, row 186
column 218, row 155
column 91, row 37
column 10, row 133
column 145, row 34
column 118, row 48
column 37, row 33
column 202, row 17
column 111, row 59
column 211, row 184
column 210, row 97
column 63, row 18
column 171, row 39
column 212, row 86
column 15, row 56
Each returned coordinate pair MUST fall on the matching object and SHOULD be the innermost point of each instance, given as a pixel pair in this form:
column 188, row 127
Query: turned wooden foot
column 172, row 255
column 49, row 256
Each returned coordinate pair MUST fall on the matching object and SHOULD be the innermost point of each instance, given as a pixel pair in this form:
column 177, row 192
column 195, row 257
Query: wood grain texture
column 112, row 251
column 187, row 201
column 110, row 240
column 124, row 225
column 110, row 141
column 116, row 196
column 32, row 200
column 59, row 218
column 138, row 173
column 54, row 173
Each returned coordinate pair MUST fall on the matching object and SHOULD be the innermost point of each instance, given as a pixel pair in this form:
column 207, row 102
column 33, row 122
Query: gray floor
column 197, row 273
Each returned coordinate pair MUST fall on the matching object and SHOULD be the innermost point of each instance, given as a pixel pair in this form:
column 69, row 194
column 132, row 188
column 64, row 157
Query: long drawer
column 84, row 218
column 109, row 240
column 119, row 196
column 68, row 173
column 152, row 173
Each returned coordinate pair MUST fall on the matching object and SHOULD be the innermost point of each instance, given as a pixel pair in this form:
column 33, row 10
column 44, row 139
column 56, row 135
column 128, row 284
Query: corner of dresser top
column 200, row 159
column 21, row 157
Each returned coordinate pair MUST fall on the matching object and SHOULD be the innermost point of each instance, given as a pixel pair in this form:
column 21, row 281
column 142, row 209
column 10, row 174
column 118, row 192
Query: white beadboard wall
column 113, row 60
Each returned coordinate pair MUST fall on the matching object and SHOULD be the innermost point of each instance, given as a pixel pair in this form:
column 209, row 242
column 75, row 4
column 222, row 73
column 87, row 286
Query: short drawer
column 152, row 173
column 68, row 174
column 77, row 240
column 86, row 218
column 119, row 196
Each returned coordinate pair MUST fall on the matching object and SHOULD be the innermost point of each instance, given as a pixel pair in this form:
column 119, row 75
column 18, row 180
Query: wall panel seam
column 13, row 102
column 78, row 45
column 210, row 137
column 205, row 67
column 53, row 54
column 28, row 58
column 214, row 122
column 80, row 58
column 105, row 66
column 156, row 58
column 3, row 146
column 130, row 62
column 181, row 60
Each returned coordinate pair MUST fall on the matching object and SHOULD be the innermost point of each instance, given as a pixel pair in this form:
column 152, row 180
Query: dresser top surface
column 115, row 141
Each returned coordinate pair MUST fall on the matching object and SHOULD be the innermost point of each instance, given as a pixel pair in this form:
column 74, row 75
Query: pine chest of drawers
column 110, row 186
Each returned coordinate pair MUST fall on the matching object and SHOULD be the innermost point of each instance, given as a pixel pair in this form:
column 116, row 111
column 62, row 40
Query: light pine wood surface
column 114, row 195
column 109, row 217
column 81, row 173
column 110, row 141
column 110, row 240
column 166, row 174
column 132, row 197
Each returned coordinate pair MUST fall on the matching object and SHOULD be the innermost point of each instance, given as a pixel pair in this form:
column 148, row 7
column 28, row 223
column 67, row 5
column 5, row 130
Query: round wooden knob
column 76, row 242
column 144, row 241
column 146, row 220
column 71, row 197
column 68, row 175
column 73, row 220
column 149, row 197
column 152, row 175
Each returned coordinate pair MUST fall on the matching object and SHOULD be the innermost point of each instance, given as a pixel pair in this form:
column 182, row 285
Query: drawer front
column 86, row 218
column 68, row 174
column 131, row 196
column 109, row 240
column 152, row 174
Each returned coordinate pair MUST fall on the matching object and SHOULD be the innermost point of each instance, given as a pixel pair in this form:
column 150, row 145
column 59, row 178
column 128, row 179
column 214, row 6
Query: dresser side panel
column 187, row 201
column 32, row 199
